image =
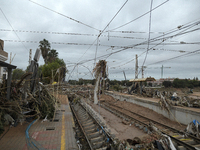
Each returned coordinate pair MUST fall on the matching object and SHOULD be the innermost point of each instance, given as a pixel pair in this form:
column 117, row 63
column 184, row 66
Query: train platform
column 183, row 115
column 43, row 134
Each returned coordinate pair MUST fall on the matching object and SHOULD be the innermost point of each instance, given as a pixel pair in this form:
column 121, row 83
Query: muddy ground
column 126, row 131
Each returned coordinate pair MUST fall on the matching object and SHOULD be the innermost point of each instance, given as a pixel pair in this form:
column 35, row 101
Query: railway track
column 95, row 134
column 180, row 139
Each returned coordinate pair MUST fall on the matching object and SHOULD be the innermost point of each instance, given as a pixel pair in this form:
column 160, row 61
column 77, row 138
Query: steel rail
column 173, row 129
column 81, row 127
column 190, row 147
column 99, row 124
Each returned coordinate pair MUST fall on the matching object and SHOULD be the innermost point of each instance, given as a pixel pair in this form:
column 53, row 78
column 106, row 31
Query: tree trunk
column 103, row 89
column 96, row 89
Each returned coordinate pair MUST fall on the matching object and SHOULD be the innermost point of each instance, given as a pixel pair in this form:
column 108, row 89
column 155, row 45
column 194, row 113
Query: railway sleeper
column 83, row 115
column 99, row 138
column 191, row 142
column 88, row 122
column 178, row 136
column 98, row 145
column 90, row 131
column 84, row 119
column 187, row 141
column 94, row 134
column 93, row 126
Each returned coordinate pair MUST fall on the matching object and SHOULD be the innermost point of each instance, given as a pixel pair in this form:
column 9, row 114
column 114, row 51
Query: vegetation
column 167, row 84
column 52, row 55
column 117, row 87
column 17, row 74
column 52, row 63
column 45, row 48
column 92, row 81
column 182, row 83
column 53, row 66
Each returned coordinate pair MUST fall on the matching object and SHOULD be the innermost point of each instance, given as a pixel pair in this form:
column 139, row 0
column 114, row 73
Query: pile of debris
column 174, row 99
column 25, row 105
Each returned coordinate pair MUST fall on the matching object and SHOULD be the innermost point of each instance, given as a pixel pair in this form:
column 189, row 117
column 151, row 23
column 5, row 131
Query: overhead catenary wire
column 139, row 16
column 111, row 46
column 132, row 46
column 108, row 25
column 66, row 33
column 195, row 51
column 98, row 38
column 111, row 53
column 12, row 28
column 148, row 34
column 64, row 15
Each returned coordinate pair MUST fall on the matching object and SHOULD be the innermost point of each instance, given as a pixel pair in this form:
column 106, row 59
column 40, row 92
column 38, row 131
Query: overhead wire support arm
column 149, row 33
column 107, row 26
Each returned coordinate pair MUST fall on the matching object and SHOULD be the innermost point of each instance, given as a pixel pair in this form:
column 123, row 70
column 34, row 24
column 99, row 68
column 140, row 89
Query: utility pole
column 142, row 71
column 136, row 66
column 30, row 56
column 11, row 58
column 162, row 70
column 124, row 75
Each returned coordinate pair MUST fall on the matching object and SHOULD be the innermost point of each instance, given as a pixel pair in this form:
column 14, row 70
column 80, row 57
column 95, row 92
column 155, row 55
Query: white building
column 3, row 57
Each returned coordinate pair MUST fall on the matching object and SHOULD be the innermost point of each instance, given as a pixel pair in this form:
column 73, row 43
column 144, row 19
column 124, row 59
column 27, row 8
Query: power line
column 149, row 33
column 107, row 55
column 64, row 15
column 140, row 16
column 102, row 32
column 12, row 28
column 196, row 51
column 107, row 26
column 111, row 46
column 65, row 33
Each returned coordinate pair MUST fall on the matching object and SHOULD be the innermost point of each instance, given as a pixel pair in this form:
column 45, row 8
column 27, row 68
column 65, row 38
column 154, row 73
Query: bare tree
column 100, row 71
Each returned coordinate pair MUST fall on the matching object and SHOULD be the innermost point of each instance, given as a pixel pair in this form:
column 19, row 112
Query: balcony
column 3, row 55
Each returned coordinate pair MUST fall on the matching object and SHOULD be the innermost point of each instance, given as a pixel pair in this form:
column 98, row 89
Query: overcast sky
column 72, row 27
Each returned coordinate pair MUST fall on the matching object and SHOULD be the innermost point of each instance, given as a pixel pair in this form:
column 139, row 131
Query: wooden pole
column 9, row 83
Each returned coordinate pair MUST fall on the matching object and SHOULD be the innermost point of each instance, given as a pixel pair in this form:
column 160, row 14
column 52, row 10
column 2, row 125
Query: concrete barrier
column 184, row 115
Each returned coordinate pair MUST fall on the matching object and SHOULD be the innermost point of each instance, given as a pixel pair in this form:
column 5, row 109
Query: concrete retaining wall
column 183, row 116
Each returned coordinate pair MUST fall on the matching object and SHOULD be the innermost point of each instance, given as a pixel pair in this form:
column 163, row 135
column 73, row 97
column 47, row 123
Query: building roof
column 142, row 79
column 4, row 64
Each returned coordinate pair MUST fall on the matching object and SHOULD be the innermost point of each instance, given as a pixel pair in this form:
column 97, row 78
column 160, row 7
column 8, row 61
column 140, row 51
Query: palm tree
column 52, row 55
column 100, row 71
column 45, row 48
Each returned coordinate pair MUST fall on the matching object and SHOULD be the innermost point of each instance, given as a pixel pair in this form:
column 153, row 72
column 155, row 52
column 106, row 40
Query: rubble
column 193, row 128
column 24, row 105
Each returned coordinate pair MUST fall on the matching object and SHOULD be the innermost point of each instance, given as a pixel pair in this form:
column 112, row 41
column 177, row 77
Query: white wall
column 182, row 114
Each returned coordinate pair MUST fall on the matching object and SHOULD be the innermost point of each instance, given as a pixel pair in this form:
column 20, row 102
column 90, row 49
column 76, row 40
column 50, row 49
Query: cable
column 108, row 25
column 139, row 16
column 12, row 28
column 98, row 37
column 111, row 46
column 175, row 57
column 96, row 51
column 77, row 34
column 64, row 15
column 149, row 34
column 142, row 43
